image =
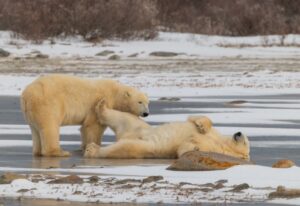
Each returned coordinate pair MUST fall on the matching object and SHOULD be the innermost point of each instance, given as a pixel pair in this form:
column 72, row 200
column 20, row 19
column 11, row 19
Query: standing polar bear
column 55, row 100
column 137, row 139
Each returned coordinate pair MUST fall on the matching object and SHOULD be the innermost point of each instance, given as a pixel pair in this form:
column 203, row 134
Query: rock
column 127, row 186
column 152, row 179
column 282, row 192
column 133, row 55
column 221, row 181
column 105, row 53
column 23, row 190
column 206, row 190
column 237, row 102
column 114, row 57
column 35, row 52
column 239, row 188
column 41, row 56
column 71, row 179
column 283, row 164
column 93, row 179
column 163, row 54
column 202, row 161
column 8, row 177
column 124, row 181
column 219, row 186
column 171, row 99
column 4, row 53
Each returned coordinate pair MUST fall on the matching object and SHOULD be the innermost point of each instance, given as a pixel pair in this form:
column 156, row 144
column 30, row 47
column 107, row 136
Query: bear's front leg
column 91, row 133
column 92, row 151
column 50, row 141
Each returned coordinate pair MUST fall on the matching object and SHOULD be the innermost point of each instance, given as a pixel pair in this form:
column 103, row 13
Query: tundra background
column 234, row 61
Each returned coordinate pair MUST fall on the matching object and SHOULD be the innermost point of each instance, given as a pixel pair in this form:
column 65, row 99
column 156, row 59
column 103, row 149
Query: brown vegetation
column 91, row 19
column 96, row 19
column 283, row 164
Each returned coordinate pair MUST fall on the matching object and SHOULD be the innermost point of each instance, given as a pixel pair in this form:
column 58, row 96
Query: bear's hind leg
column 50, row 141
column 190, row 145
column 36, row 142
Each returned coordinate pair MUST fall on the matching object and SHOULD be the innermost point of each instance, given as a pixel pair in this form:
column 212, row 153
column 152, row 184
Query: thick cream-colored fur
column 56, row 100
column 139, row 140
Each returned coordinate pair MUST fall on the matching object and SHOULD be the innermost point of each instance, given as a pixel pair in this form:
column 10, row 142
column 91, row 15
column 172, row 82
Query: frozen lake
column 266, row 146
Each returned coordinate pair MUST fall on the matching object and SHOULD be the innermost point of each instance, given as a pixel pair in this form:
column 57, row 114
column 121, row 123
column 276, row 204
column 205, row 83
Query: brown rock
column 152, row 179
column 283, row 164
column 93, row 179
column 221, row 181
column 219, row 186
column 105, row 53
column 133, row 55
column 163, row 54
column 282, row 192
column 237, row 102
column 114, row 57
column 71, row 179
column 4, row 53
column 41, row 56
column 171, row 99
column 239, row 188
column 201, row 161
column 23, row 190
column 8, row 177
column 124, row 181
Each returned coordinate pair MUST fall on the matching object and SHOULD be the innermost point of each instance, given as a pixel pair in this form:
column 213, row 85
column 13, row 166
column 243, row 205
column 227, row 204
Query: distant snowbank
column 213, row 40
column 185, row 44
column 184, row 84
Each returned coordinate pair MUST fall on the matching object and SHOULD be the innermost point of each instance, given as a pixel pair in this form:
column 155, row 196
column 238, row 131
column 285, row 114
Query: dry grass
column 92, row 19
column 97, row 19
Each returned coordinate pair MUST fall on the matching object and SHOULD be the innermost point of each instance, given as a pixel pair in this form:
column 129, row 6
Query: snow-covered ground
column 173, row 187
column 186, row 45
column 207, row 69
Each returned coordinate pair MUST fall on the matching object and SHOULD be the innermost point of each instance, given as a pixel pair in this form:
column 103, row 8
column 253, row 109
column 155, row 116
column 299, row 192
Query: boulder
column 133, row 55
column 152, row 179
column 170, row 99
column 283, row 164
column 8, row 177
column 71, row 179
column 105, row 53
column 163, row 54
column 203, row 161
column 42, row 56
column 4, row 53
column 282, row 192
column 114, row 57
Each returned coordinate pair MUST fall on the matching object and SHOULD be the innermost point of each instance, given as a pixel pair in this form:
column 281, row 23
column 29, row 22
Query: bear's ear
column 127, row 94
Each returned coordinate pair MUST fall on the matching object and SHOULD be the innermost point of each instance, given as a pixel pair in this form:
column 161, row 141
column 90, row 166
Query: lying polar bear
column 137, row 139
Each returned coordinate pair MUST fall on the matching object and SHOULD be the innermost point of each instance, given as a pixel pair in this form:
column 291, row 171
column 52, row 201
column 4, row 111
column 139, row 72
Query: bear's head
column 237, row 145
column 210, row 140
column 135, row 102
column 241, row 145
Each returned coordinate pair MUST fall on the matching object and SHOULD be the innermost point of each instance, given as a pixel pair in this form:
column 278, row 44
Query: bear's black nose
column 237, row 136
column 145, row 114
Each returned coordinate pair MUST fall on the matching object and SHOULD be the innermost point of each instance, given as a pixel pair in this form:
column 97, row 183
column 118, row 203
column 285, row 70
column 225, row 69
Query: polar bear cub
column 137, row 139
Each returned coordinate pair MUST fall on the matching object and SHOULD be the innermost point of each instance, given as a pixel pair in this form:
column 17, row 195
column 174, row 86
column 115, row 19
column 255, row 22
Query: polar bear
column 137, row 139
column 55, row 100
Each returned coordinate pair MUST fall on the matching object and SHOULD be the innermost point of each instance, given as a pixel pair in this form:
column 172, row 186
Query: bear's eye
column 140, row 102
